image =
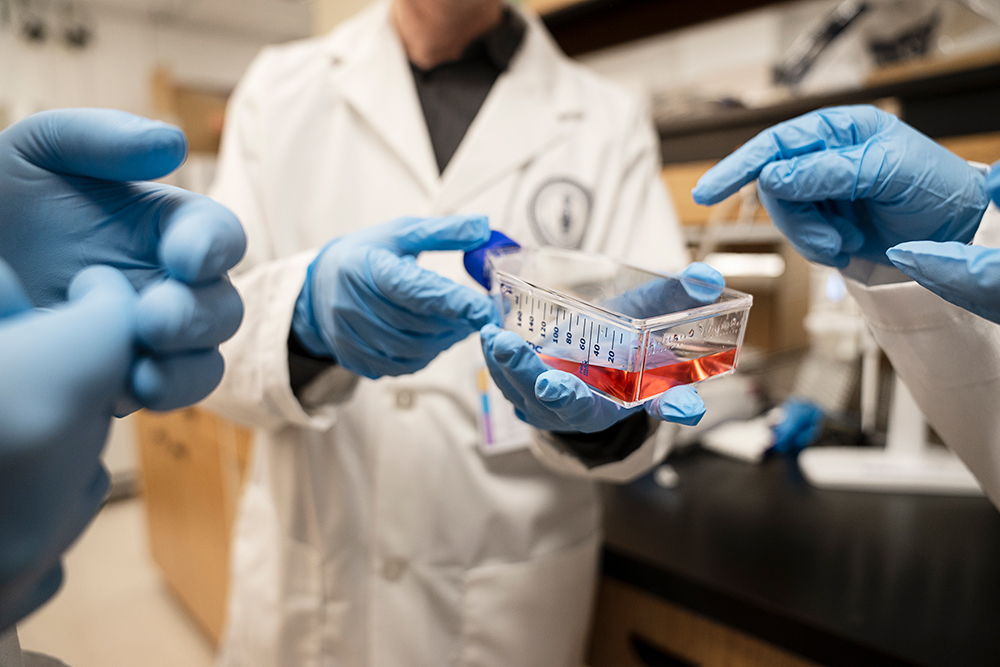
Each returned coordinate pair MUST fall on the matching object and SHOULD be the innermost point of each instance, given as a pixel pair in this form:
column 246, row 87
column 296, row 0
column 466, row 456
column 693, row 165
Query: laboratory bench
column 749, row 565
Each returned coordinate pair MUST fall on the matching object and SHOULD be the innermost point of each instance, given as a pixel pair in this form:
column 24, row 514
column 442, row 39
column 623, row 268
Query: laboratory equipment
column 809, row 46
column 628, row 333
column 908, row 464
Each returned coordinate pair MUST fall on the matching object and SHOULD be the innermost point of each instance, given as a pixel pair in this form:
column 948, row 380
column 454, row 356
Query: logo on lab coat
column 560, row 212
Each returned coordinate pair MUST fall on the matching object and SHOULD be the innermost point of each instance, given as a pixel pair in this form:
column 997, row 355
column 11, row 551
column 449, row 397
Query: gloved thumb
column 99, row 323
column 99, row 143
column 73, row 360
column 967, row 276
column 702, row 283
column 681, row 405
column 456, row 232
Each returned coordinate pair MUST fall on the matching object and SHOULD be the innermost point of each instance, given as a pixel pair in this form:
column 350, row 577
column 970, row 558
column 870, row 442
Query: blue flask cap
column 475, row 260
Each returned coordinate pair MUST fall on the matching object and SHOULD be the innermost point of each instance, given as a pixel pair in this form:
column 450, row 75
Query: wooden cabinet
column 193, row 464
column 634, row 629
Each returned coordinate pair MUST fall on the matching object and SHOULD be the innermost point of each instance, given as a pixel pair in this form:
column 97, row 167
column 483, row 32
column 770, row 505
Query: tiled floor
column 114, row 609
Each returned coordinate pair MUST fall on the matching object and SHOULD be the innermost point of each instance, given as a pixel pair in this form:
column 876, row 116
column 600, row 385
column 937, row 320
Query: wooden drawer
column 193, row 463
column 635, row 629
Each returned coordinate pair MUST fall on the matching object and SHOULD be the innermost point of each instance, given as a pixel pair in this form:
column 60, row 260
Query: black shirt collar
column 497, row 47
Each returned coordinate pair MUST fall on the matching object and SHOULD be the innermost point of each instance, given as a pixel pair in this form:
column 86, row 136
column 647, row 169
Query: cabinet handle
column 655, row 656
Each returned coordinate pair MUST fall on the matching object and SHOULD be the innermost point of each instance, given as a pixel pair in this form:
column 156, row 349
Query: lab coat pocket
column 532, row 613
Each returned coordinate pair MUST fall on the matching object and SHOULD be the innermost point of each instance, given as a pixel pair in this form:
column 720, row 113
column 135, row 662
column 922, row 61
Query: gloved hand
column 367, row 304
column 797, row 423
column 61, row 372
column 70, row 183
column 968, row 276
column 554, row 400
column 853, row 182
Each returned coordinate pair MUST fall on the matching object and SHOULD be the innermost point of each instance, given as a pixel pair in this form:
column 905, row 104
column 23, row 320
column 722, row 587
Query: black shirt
column 452, row 93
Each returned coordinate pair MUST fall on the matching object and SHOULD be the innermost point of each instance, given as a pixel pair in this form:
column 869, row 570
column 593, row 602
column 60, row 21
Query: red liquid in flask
column 627, row 386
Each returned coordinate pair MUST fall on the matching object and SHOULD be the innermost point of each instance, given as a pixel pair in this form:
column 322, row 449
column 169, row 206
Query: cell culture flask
column 628, row 333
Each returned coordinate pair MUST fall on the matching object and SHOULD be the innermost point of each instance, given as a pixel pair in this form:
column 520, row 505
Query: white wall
column 115, row 69
column 328, row 13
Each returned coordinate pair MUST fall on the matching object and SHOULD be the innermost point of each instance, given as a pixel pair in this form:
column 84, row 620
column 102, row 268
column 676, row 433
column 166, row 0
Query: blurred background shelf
column 580, row 26
column 935, row 98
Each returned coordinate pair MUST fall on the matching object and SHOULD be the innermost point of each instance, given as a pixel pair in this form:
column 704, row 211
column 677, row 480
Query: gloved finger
column 168, row 383
column 576, row 405
column 681, row 405
column 101, row 285
column 566, row 395
column 100, row 143
column 383, row 340
column 808, row 229
column 455, row 232
column 702, row 283
column 13, row 299
column 425, row 292
column 815, row 131
column 697, row 285
column 518, row 362
column 850, row 173
column 400, row 317
column 967, row 276
column 830, row 175
column 99, row 321
column 172, row 316
column 354, row 355
column 70, row 363
column 488, row 336
column 200, row 238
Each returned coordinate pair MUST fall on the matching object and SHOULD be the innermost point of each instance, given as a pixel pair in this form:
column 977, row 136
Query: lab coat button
column 393, row 568
column 405, row 399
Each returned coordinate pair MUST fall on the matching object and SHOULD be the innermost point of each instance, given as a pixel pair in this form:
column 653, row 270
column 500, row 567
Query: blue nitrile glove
column 968, row 276
column 72, row 194
column 700, row 284
column 61, row 372
column 801, row 423
column 367, row 304
column 853, row 182
column 554, row 400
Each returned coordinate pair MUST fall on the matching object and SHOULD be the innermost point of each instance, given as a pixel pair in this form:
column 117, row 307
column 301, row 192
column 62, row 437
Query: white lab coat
column 372, row 530
column 948, row 357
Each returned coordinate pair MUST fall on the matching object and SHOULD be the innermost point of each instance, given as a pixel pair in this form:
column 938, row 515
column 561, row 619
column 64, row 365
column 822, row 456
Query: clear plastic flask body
column 629, row 333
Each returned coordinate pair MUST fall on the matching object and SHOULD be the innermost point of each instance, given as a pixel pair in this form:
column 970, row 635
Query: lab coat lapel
column 377, row 82
column 526, row 113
